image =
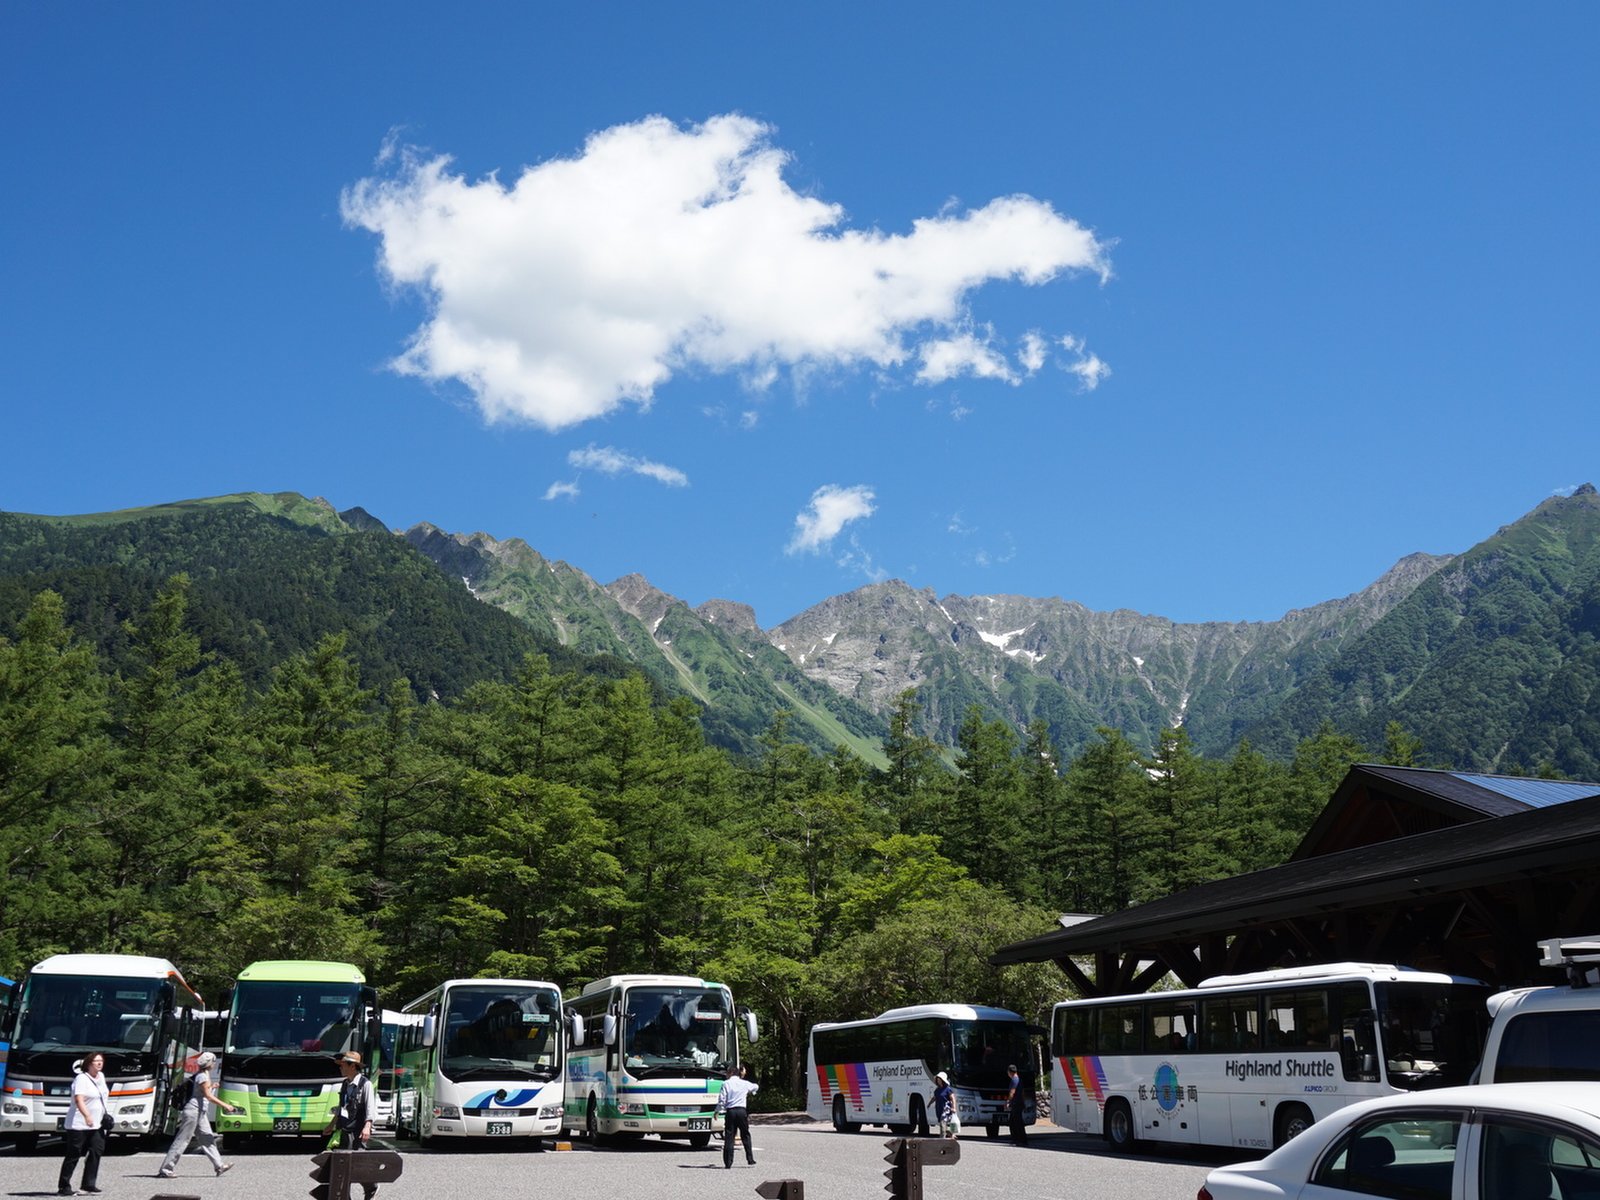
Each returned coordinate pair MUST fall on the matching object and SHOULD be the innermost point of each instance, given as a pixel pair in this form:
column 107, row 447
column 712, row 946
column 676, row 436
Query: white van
column 1544, row 1033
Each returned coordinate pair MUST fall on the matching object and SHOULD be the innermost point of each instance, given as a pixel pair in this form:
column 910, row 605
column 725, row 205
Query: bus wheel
column 26, row 1143
column 992, row 1129
column 591, row 1125
column 699, row 1141
column 1119, row 1127
column 1292, row 1121
column 919, row 1117
column 841, row 1119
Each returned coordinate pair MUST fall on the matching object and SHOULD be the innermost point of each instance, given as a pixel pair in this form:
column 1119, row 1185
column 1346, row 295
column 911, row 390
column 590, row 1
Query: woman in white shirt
column 85, row 1136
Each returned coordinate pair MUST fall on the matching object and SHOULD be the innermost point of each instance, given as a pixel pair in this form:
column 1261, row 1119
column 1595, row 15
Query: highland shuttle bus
column 1252, row 1060
column 655, row 1051
column 880, row 1071
column 137, row 1011
column 287, row 1021
column 482, row 1058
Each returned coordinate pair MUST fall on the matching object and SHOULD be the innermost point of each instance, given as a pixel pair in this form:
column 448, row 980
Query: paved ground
column 1053, row 1166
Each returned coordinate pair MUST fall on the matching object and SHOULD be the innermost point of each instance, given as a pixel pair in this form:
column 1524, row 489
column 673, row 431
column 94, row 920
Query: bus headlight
column 13, row 1107
column 631, row 1110
column 549, row 1111
column 446, row 1112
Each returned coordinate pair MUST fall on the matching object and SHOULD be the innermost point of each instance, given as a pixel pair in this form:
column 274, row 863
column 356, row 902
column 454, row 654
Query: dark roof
column 1523, row 840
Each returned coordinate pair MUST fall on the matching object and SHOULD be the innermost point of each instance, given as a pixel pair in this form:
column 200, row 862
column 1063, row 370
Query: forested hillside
column 1493, row 662
column 562, row 825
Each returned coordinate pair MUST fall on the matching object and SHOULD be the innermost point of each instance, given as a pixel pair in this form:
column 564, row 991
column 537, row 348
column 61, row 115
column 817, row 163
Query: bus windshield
column 678, row 1031
column 1432, row 1033
column 501, row 1032
column 83, row 1012
column 272, row 1017
column 984, row 1049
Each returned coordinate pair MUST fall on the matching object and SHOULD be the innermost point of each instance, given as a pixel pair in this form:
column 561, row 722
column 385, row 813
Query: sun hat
column 942, row 1077
column 348, row 1056
column 207, row 1059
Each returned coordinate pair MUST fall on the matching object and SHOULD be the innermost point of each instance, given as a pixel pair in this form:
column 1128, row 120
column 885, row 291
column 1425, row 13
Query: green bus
column 287, row 1019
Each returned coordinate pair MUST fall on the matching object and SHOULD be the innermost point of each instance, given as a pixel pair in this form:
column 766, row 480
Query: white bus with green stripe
column 287, row 1020
column 655, row 1051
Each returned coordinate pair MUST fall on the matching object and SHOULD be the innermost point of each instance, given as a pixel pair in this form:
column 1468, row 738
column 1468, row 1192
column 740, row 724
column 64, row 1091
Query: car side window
column 1406, row 1158
column 1525, row 1159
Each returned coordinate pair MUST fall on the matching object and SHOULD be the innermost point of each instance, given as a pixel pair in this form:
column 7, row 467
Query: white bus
column 1252, row 1060
column 137, row 1011
column 389, row 1071
column 481, row 1058
column 656, row 1052
column 880, row 1071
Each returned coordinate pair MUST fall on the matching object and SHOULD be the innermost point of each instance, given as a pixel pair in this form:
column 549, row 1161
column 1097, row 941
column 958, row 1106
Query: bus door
column 1169, row 1096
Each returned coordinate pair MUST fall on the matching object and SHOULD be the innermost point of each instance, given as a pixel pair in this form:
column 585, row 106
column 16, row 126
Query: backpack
column 183, row 1092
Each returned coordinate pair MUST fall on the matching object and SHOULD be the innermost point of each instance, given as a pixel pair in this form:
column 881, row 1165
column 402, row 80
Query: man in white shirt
column 734, row 1104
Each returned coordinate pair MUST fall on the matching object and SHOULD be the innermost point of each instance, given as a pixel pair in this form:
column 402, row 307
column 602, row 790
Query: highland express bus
column 1252, row 1060
column 137, row 1011
column 286, row 1022
column 6, row 984
column 880, row 1071
column 483, row 1058
column 654, row 1053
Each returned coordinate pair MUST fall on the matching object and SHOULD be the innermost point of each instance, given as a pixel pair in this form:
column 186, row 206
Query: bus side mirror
column 608, row 1030
column 430, row 1026
column 750, row 1031
column 574, row 1030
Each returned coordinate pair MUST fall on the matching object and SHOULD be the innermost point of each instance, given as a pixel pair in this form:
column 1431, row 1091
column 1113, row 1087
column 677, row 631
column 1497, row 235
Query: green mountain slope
column 271, row 575
column 1491, row 662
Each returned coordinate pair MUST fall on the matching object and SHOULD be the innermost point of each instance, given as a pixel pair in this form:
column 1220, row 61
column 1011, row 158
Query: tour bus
column 389, row 1070
column 880, row 1071
column 483, row 1058
column 137, row 1011
column 655, row 1051
column 286, row 1021
column 1252, row 1060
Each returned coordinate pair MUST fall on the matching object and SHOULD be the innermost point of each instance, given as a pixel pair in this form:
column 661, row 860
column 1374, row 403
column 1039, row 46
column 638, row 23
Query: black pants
column 87, row 1144
column 1019, row 1128
column 737, row 1121
column 344, row 1139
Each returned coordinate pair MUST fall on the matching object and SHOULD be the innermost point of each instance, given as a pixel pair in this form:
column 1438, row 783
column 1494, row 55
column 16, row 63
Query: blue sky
column 1209, row 311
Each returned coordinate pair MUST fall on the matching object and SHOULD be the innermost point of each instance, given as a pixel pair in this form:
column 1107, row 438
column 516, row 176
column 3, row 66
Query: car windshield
column 294, row 1018
column 679, row 1031
column 502, row 1032
column 1432, row 1033
column 83, row 1012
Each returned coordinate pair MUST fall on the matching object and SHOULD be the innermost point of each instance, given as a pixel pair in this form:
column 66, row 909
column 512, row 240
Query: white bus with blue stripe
column 482, row 1058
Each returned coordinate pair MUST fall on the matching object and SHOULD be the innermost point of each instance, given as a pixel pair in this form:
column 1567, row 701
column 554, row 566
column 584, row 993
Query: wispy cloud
column 559, row 490
column 1089, row 368
column 590, row 280
column 610, row 461
column 831, row 508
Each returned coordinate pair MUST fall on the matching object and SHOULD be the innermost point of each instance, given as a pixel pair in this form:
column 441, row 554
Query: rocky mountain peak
column 730, row 615
column 641, row 599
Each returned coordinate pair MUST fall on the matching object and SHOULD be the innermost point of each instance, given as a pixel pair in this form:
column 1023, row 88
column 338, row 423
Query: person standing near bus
column 944, row 1106
column 352, row 1119
column 734, row 1101
column 195, row 1123
column 1016, row 1101
column 85, row 1126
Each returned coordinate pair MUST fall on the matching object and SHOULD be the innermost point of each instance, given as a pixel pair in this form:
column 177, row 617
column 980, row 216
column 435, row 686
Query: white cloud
column 1033, row 353
column 964, row 354
column 589, row 281
column 832, row 508
column 1090, row 369
column 559, row 490
column 611, row 461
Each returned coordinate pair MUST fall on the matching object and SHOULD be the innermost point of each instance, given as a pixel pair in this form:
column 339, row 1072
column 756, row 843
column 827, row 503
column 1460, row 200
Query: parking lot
column 1053, row 1166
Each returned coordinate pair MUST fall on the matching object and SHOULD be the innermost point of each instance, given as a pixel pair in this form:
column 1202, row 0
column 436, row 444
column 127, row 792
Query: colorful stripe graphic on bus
column 849, row 1078
column 1084, row 1076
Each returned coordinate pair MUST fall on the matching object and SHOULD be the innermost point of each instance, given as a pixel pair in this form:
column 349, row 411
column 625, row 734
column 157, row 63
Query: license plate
column 286, row 1125
column 499, row 1129
column 699, row 1124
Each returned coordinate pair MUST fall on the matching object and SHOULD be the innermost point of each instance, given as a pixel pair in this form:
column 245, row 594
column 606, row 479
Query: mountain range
column 1490, row 657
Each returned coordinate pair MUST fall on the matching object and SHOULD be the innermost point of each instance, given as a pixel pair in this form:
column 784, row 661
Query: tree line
column 565, row 826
